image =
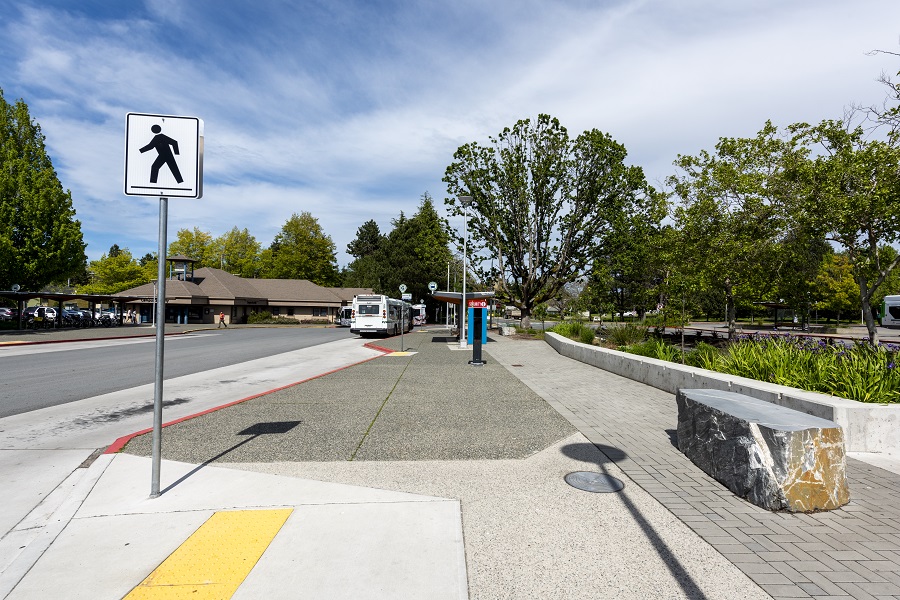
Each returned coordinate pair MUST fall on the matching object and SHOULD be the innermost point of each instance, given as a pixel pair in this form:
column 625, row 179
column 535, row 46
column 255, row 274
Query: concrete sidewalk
column 416, row 475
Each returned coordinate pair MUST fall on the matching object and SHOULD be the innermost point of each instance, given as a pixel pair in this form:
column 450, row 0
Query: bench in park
column 775, row 457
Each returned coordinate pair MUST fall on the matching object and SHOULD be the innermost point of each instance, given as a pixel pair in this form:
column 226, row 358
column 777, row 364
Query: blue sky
column 351, row 110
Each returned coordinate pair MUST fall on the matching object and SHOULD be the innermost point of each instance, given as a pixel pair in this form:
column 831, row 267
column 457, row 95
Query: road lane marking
column 215, row 559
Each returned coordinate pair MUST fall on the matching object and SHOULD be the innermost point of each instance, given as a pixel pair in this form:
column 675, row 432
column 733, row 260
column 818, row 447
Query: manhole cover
column 594, row 482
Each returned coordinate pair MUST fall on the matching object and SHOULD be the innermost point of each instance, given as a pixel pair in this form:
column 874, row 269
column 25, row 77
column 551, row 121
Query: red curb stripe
column 379, row 348
column 120, row 443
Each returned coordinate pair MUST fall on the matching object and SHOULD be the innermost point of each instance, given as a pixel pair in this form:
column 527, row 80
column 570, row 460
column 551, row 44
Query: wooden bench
column 775, row 457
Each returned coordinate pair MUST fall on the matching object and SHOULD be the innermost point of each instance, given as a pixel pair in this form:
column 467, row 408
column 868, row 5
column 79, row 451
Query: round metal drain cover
column 594, row 482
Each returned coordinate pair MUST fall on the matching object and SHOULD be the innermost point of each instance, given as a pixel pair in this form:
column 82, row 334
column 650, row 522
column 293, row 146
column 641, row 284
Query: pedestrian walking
column 222, row 320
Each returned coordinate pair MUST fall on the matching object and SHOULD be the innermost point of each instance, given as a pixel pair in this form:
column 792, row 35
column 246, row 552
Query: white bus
column 345, row 316
column 890, row 312
column 418, row 313
column 380, row 315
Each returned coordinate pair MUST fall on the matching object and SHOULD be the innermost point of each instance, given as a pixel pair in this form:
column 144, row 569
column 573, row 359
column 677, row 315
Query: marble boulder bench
column 775, row 457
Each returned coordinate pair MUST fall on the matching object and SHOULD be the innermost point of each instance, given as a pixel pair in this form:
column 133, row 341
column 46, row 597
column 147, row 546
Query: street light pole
column 447, row 308
column 466, row 201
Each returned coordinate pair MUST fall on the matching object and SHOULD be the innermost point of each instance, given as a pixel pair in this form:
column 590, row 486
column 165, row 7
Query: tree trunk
column 729, row 308
column 526, row 318
column 871, row 326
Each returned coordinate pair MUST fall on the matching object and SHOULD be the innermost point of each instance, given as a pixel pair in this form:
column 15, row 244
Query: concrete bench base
column 775, row 457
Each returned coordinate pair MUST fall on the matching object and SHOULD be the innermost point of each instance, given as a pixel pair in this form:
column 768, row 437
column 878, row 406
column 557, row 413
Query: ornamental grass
column 859, row 371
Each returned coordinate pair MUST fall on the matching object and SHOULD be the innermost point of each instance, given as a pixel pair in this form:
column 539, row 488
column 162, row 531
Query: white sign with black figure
column 163, row 156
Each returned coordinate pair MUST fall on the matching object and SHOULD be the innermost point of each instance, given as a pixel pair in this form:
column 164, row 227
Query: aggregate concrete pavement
column 428, row 423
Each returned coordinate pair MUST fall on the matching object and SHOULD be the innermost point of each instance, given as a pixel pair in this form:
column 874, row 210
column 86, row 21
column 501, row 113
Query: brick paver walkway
column 852, row 552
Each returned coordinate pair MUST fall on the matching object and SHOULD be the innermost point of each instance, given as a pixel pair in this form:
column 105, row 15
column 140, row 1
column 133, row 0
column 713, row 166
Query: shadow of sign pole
column 254, row 431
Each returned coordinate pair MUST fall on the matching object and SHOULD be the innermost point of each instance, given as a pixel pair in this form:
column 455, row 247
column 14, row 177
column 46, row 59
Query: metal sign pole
column 156, row 450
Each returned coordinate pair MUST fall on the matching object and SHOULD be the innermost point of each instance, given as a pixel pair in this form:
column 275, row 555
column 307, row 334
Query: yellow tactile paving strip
column 216, row 559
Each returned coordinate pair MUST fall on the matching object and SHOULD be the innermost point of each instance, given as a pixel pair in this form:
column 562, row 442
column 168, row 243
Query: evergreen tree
column 417, row 251
column 40, row 239
column 366, row 270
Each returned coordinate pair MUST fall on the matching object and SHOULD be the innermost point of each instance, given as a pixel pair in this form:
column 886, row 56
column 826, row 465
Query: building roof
column 211, row 286
column 347, row 294
column 294, row 290
column 217, row 283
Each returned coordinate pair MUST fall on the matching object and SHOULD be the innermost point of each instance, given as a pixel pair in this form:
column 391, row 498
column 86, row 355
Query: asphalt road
column 39, row 376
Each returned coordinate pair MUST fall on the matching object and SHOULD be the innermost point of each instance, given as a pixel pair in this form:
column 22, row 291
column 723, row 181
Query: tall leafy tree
column 197, row 244
column 540, row 199
column 730, row 215
column 301, row 250
column 115, row 272
column 629, row 260
column 848, row 188
column 40, row 239
column 834, row 289
column 238, row 252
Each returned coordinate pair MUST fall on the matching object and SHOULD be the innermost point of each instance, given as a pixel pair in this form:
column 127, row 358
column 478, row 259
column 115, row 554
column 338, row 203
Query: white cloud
column 351, row 111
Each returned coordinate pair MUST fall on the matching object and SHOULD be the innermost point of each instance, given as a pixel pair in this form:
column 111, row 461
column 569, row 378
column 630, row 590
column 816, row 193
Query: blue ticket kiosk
column 477, row 329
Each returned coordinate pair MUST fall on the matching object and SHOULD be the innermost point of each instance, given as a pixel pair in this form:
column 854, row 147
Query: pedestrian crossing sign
column 163, row 156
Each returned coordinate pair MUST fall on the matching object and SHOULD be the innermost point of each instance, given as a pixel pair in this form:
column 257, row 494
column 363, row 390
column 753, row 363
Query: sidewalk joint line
column 377, row 414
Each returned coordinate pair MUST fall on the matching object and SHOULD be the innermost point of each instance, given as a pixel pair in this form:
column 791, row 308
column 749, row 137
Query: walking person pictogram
column 166, row 148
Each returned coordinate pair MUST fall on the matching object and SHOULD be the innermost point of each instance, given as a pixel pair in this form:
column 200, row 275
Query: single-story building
column 198, row 296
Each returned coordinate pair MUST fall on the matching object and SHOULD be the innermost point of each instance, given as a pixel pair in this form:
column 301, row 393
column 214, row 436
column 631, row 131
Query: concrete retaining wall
column 867, row 427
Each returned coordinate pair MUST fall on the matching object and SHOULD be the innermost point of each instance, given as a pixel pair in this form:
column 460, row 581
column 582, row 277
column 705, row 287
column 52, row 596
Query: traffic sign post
column 402, row 315
column 163, row 159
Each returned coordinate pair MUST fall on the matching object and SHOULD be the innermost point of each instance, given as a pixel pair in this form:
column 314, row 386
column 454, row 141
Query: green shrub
column 587, row 336
column 655, row 348
column 626, row 334
column 575, row 330
column 264, row 317
column 259, row 317
column 704, row 356
column 645, row 348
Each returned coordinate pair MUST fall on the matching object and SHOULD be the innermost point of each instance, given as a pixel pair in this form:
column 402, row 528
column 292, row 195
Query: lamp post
column 448, row 289
column 466, row 201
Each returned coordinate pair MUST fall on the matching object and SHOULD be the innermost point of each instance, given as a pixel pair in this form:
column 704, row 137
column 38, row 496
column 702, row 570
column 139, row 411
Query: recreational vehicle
column 380, row 315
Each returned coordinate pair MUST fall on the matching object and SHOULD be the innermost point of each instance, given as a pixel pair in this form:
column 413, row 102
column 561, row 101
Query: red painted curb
column 120, row 443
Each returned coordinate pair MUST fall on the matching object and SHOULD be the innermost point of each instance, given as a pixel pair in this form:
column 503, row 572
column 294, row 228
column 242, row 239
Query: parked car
column 44, row 312
column 8, row 314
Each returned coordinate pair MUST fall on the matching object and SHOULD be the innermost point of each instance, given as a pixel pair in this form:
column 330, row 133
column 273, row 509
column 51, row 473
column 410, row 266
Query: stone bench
column 775, row 457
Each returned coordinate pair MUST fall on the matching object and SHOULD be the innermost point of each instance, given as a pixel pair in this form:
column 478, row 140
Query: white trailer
column 345, row 316
column 890, row 312
column 380, row 315
column 418, row 312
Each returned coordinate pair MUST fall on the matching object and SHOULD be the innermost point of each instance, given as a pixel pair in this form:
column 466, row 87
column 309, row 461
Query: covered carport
column 56, row 300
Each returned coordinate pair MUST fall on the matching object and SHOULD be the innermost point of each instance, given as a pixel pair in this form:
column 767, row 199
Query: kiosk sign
column 477, row 303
